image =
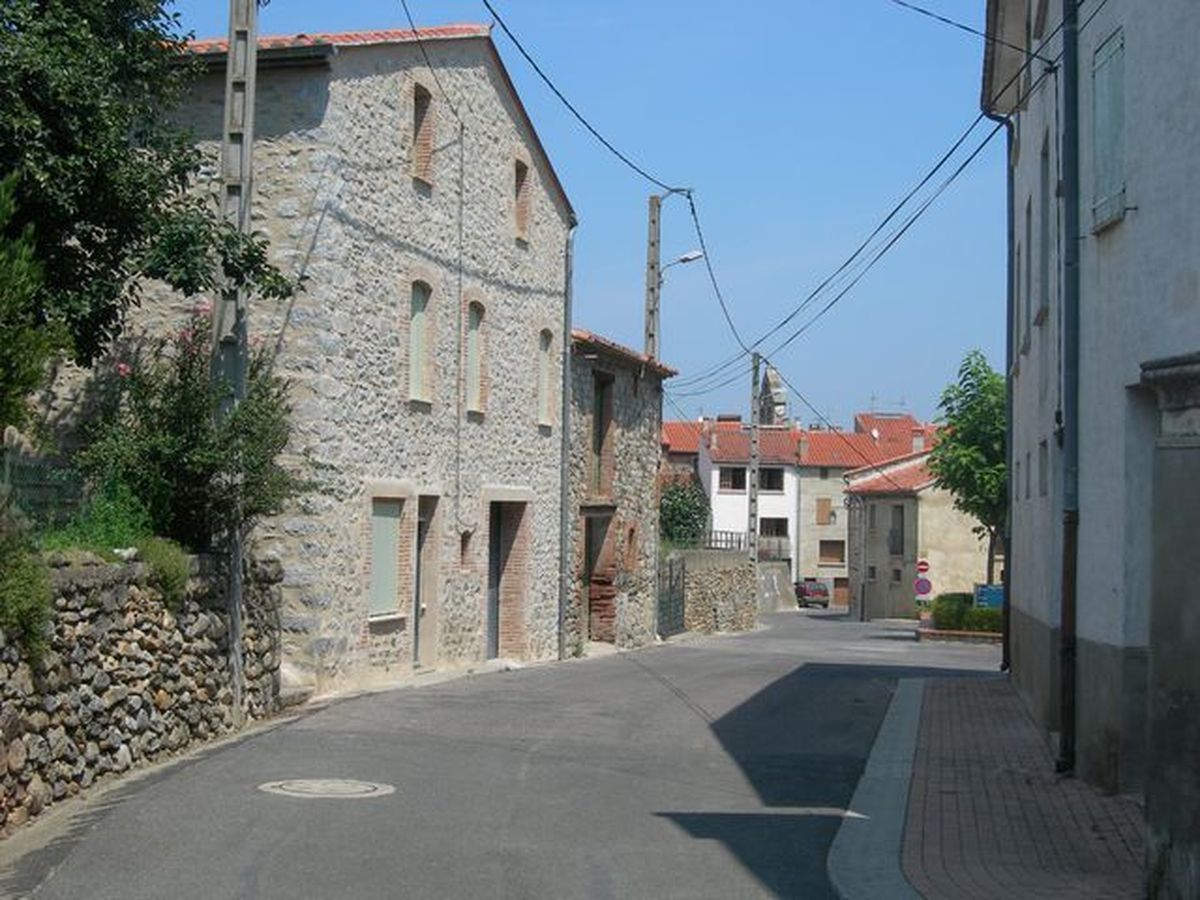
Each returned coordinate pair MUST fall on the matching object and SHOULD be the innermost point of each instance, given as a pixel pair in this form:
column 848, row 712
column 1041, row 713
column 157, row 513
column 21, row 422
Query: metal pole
column 1070, row 351
column 229, row 314
column 752, row 523
column 653, row 276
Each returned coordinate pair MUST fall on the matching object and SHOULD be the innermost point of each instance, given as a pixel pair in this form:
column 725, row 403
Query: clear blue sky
column 798, row 123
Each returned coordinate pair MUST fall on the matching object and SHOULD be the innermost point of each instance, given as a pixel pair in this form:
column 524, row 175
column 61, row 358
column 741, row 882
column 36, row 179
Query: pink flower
column 202, row 308
column 124, row 369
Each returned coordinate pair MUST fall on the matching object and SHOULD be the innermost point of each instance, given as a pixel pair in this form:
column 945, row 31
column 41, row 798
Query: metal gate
column 670, row 597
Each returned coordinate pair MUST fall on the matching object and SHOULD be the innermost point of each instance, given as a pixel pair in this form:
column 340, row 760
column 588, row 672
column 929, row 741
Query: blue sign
column 989, row 596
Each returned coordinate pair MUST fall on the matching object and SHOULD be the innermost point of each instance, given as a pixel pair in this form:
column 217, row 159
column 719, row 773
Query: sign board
column 989, row 596
column 922, row 566
column 922, row 587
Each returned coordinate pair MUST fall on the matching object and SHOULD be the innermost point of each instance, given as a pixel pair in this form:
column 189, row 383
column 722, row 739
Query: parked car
column 812, row 593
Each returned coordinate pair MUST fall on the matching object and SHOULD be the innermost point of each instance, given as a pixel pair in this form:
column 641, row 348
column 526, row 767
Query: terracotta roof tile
column 581, row 336
column 348, row 38
column 908, row 474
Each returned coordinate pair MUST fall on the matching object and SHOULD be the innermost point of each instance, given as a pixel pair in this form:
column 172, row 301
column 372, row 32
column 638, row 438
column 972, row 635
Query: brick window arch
column 420, row 353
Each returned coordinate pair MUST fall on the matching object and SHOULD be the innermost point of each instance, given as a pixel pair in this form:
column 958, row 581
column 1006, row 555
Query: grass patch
column 111, row 518
column 26, row 597
column 168, row 566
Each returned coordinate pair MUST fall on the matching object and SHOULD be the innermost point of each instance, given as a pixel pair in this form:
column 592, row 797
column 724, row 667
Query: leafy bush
column 169, row 566
column 25, row 595
column 950, row 610
column 980, row 618
column 158, row 435
column 111, row 518
column 683, row 512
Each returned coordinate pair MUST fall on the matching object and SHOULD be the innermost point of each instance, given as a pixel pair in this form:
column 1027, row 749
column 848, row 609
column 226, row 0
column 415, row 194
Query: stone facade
column 125, row 680
column 616, row 428
column 429, row 447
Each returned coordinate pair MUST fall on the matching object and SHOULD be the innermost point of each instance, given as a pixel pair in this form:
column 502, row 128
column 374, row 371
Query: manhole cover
column 327, row 787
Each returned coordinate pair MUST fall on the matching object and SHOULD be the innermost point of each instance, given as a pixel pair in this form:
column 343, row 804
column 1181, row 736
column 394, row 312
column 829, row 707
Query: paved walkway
column 988, row 818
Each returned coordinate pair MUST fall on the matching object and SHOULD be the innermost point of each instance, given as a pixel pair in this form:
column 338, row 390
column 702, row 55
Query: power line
column 428, row 63
column 567, row 103
column 712, row 276
column 967, row 28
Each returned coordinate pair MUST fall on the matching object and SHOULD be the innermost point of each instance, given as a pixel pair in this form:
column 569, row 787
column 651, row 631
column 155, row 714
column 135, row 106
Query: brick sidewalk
column 988, row 818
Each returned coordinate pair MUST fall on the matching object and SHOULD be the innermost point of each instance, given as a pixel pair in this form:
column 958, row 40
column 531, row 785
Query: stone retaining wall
column 125, row 680
column 720, row 591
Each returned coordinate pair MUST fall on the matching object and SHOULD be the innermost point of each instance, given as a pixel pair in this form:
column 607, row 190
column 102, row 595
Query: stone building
column 1104, row 309
column 616, row 428
column 424, row 354
column 898, row 516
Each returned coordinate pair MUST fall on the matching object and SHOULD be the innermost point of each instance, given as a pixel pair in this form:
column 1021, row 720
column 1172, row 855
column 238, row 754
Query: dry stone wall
column 125, row 680
column 720, row 591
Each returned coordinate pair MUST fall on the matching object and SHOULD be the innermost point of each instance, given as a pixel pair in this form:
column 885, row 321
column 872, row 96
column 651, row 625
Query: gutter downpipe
column 564, row 553
column 1009, row 355
column 1070, row 411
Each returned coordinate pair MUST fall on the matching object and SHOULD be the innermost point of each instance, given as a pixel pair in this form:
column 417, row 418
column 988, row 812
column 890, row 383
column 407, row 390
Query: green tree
column 969, row 457
column 683, row 511
column 26, row 345
column 104, row 178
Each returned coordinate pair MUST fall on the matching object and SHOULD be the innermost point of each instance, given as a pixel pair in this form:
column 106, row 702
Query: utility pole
column 229, row 314
column 752, row 524
column 653, row 276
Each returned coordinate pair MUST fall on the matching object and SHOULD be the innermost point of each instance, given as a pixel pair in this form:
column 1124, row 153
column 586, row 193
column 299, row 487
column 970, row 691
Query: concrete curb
column 864, row 861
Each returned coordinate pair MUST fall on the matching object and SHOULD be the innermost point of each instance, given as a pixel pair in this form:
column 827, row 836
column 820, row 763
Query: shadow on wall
column 802, row 743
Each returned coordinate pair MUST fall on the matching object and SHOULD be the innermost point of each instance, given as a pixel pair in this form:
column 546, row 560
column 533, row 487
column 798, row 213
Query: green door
column 385, row 556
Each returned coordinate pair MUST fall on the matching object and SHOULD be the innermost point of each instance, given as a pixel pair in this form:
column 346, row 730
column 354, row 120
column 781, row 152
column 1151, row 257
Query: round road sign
column 922, row 586
column 922, row 566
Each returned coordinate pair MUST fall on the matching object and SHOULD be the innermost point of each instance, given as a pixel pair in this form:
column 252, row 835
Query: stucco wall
column 335, row 194
column 813, row 487
column 957, row 558
column 631, row 544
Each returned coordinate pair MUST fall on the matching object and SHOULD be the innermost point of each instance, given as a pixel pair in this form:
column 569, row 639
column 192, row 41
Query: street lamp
column 652, row 296
column 690, row 256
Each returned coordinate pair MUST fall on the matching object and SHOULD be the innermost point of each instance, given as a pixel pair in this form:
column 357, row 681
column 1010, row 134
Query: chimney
column 918, row 438
column 802, row 447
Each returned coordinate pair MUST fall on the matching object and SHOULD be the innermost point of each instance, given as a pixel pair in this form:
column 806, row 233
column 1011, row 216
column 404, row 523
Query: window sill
column 731, row 491
column 420, row 404
column 545, row 428
column 387, row 618
column 474, row 415
column 423, row 183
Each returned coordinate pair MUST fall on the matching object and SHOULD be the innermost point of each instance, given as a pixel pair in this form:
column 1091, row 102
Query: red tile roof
column 774, row 445
column 684, row 436
column 842, row 450
column 349, row 38
column 905, row 475
column 583, row 338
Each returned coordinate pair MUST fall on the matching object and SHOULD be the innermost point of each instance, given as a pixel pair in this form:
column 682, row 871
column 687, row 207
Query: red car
column 812, row 593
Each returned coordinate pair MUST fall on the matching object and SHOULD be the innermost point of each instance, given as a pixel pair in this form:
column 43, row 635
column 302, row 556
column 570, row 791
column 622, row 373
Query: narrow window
column 897, row 575
column 1044, row 233
column 475, row 357
column 1016, row 280
column 733, row 478
column 418, row 342
column 823, row 473
column 1017, row 482
column 870, row 573
column 824, row 510
column 871, row 517
column 601, row 438
column 1108, row 131
column 521, row 198
column 422, row 134
column 385, row 556
column 1028, row 475
column 1043, row 469
column 545, row 378
column 1026, row 316
column 896, row 532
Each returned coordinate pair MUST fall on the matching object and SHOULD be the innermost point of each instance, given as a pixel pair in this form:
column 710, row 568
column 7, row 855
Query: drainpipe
column 1009, row 356
column 565, row 554
column 1070, row 403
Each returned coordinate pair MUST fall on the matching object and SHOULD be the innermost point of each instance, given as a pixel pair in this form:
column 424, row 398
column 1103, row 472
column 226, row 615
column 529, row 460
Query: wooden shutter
column 824, row 509
column 385, row 556
column 418, row 341
column 1108, row 131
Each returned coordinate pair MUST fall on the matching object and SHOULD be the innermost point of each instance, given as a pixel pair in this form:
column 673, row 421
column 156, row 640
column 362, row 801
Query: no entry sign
column 922, row 566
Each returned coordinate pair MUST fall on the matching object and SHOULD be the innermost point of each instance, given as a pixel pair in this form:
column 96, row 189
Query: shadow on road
column 801, row 742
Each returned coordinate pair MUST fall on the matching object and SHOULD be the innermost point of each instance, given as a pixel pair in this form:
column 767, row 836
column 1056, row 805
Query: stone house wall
column 336, row 195
column 125, row 680
column 624, row 610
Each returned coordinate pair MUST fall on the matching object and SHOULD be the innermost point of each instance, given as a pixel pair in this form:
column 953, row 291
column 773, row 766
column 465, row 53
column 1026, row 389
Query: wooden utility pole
column 229, row 314
column 653, row 276
column 752, row 523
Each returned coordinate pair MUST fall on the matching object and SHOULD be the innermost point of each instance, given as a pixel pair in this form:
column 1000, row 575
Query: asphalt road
column 714, row 768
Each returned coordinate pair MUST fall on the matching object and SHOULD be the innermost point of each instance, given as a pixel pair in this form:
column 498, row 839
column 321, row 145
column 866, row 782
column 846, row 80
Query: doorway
column 495, row 572
column 507, row 579
column 425, row 586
